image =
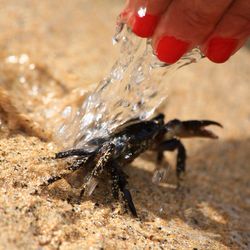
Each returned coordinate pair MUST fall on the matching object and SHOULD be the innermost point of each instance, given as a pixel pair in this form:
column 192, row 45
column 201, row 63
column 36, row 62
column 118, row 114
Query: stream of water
column 133, row 89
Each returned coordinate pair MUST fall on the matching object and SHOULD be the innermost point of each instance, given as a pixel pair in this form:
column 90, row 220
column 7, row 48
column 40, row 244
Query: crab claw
column 193, row 128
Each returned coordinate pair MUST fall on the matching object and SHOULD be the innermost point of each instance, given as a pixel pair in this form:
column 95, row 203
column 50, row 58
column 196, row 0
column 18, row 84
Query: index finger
column 142, row 16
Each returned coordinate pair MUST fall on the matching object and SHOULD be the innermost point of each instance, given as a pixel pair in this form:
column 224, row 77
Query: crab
column 125, row 144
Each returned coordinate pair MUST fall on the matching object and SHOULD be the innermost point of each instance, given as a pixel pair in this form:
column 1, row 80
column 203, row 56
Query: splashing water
column 32, row 99
column 133, row 89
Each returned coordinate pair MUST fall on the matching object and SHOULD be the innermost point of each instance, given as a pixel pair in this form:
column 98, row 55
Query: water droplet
column 11, row 59
column 32, row 66
column 90, row 187
column 67, row 111
column 24, row 58
column 160, row 175
column 22, row 79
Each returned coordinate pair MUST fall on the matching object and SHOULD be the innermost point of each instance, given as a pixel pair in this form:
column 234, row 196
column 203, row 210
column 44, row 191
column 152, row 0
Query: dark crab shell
column 125, row 144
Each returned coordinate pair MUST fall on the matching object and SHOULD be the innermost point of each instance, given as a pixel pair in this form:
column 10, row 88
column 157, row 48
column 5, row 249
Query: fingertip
column 143, row 16
column 220, row 49
column 143, row 24
column 170, row 49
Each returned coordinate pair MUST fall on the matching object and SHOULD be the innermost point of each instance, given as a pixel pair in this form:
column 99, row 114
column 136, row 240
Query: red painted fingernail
column 220, row 49
column 144, row 25
column 170, row 50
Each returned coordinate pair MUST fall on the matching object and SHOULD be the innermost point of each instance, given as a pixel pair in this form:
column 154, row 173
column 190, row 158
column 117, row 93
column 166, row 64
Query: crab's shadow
column 207, row 200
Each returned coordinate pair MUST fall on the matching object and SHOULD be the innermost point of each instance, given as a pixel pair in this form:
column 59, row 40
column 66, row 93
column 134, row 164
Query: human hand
column 219, row 28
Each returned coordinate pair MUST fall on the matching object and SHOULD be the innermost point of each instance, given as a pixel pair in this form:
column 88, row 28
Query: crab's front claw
column 198, row 128
column 192, row 128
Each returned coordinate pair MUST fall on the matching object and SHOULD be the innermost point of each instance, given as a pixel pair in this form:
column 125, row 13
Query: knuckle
column 198, row 19
column 240, row 22
column 242, row 16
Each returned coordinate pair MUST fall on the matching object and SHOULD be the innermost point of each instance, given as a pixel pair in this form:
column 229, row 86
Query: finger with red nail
column 220, row 28
column 142, row 16
column 230, row 33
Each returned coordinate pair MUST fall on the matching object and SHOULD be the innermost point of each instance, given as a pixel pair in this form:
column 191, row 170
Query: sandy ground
column 69, row 42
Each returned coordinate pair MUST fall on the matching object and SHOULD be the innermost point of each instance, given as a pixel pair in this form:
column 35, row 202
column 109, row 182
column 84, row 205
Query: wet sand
column 69, row 42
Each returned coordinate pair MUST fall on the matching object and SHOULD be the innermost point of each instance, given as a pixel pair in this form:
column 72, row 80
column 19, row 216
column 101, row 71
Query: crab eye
column 159, row 119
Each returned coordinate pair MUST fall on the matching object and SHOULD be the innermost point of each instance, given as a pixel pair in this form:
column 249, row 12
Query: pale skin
column 219, row 28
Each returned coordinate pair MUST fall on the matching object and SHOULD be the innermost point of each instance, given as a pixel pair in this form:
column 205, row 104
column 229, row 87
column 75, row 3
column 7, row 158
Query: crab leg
column 171, row 145
column 119, row 183
column 77, row 164
column 104, row 157
column 72, row 152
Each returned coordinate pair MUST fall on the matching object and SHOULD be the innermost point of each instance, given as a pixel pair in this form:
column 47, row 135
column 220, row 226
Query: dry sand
column 70, row 44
